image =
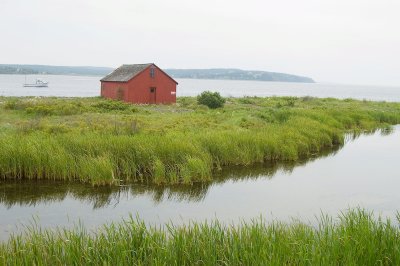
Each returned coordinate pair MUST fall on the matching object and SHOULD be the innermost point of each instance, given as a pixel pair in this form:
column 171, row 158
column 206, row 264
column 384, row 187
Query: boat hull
column 35, row 85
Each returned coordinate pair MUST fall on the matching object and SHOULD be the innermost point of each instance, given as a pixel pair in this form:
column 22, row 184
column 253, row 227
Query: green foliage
column 356, row 237
column 112, row 105
column 65, row 107
column 211, row 99
column 103, row 142
column 13, row 103
column 45, row 106
column 247, row 100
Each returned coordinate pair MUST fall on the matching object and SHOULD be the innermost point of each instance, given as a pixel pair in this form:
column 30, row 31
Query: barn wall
column 114, row 90
column 137, row 90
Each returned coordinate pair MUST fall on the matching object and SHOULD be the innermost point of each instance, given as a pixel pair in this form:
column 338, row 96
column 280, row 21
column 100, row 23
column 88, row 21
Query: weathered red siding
column 138, row 89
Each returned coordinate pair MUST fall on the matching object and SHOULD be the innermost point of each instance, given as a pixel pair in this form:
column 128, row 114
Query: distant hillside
column 55, row 70
column 6, row 69
column 214, row 73
column 235, row 74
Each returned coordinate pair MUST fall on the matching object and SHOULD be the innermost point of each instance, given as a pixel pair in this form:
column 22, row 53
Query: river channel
column 362, row 173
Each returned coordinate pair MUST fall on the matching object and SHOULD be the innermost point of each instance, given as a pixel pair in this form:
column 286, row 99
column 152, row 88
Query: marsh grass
column 356, row 237
column 108, row 142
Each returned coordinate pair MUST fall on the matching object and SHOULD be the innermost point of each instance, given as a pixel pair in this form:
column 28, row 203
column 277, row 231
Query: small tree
column 211, row 99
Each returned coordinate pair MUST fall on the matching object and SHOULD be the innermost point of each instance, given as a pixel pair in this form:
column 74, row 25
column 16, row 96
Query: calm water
column 363, row 173
column 81, row 86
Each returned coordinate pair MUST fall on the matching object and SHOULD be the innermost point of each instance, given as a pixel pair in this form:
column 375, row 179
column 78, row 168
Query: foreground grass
column 105, row 142
column 355, row 238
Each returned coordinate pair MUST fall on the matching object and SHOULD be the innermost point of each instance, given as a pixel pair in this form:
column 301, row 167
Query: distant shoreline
column 211, row 74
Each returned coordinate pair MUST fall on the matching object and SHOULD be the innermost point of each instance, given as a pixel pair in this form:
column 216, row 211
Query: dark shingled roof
column 125, row 72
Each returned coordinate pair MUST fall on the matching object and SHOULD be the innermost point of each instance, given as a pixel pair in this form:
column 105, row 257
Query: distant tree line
column 55, row 70
column 236, row 74
column 16, row 70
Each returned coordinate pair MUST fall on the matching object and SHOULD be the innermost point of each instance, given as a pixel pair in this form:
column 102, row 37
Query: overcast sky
column 341, row 41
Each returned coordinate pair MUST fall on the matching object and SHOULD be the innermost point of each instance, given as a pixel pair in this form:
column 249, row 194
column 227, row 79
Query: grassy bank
column 355, row 238
column 105, row 142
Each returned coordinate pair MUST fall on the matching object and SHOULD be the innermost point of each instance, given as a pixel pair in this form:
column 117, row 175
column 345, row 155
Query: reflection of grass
column 355, row 238
column 33, row 192
column 267, row 169
column 36, row 192
column 104, row 142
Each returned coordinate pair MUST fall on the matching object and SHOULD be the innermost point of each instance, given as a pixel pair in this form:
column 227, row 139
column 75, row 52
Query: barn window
column 152, row 72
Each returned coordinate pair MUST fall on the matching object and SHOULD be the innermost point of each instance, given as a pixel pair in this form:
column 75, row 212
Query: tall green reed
column 356, row 237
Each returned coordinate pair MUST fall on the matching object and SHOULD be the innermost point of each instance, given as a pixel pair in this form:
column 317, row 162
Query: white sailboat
column 38, row 83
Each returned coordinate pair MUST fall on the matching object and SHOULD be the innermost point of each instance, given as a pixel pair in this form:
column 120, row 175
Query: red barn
column 140, row 83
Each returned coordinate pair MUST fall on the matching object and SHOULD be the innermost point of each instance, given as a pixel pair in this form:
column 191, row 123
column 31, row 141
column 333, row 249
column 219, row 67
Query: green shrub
column 185, row 101
column 11, row 104
column 41, row 110
column 62, row 108
column 247, row 100
column 110, row 105
column 16, row 104
column 211, row 99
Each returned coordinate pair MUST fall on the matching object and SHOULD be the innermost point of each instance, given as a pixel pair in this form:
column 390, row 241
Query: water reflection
column 37, row 192
column 269, row 169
